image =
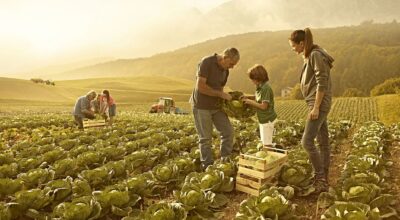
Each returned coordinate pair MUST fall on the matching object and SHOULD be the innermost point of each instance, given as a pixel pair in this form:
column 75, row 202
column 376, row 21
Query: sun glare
column 49, row 31
column 44, row 43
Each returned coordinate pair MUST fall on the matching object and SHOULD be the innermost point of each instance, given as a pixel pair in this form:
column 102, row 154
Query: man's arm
column 207, row 90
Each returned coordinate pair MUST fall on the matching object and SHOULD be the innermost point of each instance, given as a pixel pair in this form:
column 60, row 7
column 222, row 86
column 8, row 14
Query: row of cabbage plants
column 363, row 189
column 98, row 168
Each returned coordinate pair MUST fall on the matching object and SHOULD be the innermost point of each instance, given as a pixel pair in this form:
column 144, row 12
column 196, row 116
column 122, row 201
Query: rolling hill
column 365, row 55
column 125, row 90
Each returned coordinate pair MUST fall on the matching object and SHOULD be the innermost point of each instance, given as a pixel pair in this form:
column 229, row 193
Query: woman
column 263, row 101
column 95, row 104
column 315, row 83
column 110, row 105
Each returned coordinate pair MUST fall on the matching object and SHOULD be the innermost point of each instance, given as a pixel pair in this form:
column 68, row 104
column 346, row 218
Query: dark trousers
column 320, row 159
column 204, row 121
column 79, row 119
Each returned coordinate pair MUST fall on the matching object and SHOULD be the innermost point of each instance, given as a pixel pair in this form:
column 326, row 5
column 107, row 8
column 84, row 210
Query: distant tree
column 47, row 82
column 37, row 80
column 352, row 92
column 296, row 92
column 390, row 86
column 367, row 22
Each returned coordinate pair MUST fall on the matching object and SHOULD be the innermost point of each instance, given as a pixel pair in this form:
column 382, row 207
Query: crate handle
column 275, row 149
column 251, row 156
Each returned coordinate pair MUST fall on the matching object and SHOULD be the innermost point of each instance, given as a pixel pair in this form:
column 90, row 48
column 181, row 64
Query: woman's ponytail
column 308, row 42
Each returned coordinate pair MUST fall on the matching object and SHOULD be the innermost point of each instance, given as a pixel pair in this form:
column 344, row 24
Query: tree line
column 365, row 56
column 47, row 82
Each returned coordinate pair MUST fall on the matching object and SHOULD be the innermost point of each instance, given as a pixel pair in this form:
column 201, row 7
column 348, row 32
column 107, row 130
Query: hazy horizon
column 47, row 33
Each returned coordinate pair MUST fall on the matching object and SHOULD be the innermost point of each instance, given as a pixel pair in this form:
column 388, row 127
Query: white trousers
column 266, row 132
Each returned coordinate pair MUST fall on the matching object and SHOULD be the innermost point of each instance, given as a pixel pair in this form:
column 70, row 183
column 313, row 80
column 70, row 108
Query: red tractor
column 164, row 105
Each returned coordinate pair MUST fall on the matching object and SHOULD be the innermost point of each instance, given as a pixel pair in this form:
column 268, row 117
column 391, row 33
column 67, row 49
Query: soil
column 235, row 199
column 307, row 206
column 394, row 171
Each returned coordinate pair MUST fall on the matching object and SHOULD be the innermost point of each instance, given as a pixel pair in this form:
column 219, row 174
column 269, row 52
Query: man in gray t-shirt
column 82, row 108
column 212, row 75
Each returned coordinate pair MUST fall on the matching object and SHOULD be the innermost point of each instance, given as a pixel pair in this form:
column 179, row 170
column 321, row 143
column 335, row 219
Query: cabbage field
column 146, row 166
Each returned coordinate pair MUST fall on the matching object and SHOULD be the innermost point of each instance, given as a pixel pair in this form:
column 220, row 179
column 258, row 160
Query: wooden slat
column 262, row 164
column 93, row 123
column 250, row 181
column 275, row 149
column 247, row 190
column 258, row 167
column 251, row 185
column 258, row 173
column 254, row 164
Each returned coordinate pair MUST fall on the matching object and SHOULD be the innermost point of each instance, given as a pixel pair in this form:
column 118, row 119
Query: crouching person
column 82, row 108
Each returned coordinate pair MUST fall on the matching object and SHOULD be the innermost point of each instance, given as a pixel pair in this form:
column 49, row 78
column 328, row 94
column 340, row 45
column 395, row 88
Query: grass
column 10, row 107
column 388, row 108
column 124, row 90
column 142, row 91
column 140, row 83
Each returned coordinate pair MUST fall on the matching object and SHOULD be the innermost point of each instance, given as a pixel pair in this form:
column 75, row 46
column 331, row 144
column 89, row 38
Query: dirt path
column 235, row 198
column 394, row 170
column 307, row 205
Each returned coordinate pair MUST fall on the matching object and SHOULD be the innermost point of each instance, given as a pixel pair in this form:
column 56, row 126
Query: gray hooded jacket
column 316, row 76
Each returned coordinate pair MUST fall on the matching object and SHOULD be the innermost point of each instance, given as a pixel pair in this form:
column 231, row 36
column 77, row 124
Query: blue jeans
column 112, row 110
column 320, row 159
column 204, row 121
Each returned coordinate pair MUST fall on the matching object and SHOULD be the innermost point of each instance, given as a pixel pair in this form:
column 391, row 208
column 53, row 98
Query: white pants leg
column 266, row 132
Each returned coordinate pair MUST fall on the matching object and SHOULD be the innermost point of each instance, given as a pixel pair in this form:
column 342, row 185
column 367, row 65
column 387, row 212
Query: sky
column 37, row 33
column 52, row 36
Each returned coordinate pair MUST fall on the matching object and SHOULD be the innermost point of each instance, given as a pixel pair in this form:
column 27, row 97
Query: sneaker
column 320, row 186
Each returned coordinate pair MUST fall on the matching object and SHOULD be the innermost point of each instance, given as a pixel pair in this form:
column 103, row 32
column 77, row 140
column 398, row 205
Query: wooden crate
column 258, row 167
column 250, row 185
column 93, row 123
column 248, row 190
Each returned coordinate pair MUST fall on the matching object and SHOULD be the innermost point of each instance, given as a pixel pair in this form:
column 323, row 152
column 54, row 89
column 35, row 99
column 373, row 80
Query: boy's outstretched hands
column 246, row 100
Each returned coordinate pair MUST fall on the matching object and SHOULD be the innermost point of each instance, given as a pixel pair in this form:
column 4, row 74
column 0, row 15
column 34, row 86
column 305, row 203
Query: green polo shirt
column 264, row 93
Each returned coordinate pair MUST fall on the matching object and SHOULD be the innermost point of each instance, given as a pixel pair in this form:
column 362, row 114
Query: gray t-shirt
column 216, row 78
column 81, row 104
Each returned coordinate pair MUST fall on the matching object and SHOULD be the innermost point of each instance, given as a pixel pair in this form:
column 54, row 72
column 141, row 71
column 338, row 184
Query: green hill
column 140, row 83
column 17, row 89
column 125, row 90
column 365, row 55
